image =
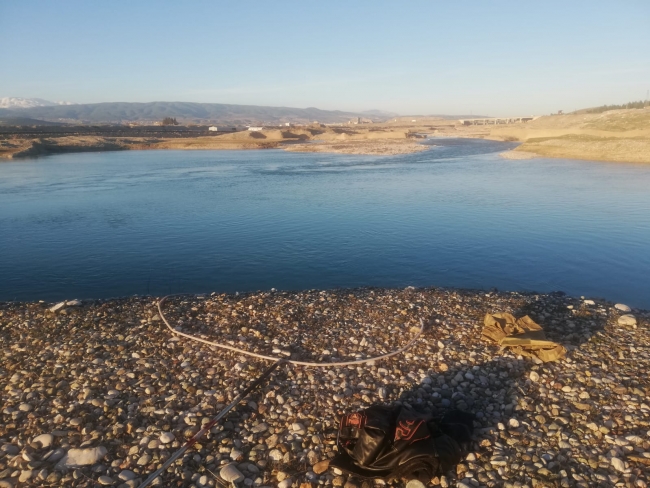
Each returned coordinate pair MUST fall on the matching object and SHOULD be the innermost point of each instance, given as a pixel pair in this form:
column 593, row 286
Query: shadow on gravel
column 537, row 424
column 531, row 418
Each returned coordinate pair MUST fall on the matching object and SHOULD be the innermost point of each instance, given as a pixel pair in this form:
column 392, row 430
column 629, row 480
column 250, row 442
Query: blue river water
column 97, row 225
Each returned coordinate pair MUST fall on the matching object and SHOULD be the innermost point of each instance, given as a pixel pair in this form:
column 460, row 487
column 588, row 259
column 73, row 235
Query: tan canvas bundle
column 523, row 336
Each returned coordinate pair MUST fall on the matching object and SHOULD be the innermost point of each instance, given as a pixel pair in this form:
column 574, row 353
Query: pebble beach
column 100, row 393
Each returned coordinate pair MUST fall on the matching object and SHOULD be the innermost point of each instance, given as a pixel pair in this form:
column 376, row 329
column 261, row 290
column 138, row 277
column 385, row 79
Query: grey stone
column 105, row 480
column 261, row 427
column 126, row 475
column 231, row 474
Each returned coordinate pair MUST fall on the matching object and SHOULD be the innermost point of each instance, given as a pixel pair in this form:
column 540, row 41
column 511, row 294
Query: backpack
column 395, row 442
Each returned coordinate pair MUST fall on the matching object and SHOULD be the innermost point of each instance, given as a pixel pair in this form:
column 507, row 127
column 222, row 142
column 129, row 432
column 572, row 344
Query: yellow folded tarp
column 523, row 336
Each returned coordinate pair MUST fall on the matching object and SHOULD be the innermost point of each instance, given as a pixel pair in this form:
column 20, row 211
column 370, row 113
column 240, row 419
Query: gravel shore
column 100, row 393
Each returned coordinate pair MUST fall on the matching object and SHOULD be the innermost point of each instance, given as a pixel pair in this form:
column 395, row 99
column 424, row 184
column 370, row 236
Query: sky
column 500, row 58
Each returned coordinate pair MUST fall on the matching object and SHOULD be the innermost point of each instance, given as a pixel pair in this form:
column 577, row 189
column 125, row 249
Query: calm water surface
column 155, row 222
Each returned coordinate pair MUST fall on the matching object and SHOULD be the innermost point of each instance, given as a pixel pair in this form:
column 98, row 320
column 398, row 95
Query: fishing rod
column 276, row 362
column 212, row 423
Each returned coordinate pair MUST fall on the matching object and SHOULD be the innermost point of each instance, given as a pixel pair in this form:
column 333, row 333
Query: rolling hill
column 185, row 112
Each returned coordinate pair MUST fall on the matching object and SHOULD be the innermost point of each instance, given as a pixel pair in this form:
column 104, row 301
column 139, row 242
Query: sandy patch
column 385, row 147
column 518, row 155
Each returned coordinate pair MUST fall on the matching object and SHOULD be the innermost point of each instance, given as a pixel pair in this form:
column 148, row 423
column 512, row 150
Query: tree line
column 605, row 108
column 169, row 121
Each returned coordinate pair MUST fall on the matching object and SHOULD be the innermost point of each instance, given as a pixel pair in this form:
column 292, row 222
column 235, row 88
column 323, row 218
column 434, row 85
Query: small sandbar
column 518, row 155
column 385, row 147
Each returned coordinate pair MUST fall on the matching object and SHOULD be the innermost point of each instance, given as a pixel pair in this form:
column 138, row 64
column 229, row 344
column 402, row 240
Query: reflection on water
column 120, row 223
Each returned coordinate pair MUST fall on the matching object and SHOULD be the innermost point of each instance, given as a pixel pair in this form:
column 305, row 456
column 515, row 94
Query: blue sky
column 411, row 57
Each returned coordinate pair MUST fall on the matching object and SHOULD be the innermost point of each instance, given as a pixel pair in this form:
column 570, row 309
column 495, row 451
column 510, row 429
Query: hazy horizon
column 502, row 58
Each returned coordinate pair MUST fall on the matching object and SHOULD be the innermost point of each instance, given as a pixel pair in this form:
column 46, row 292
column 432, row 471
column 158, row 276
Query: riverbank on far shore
column 591, row 148
column 614, row 136
column 320, row 139
column 105, row 381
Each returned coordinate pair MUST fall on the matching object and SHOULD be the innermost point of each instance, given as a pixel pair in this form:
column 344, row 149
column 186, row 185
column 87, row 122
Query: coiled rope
column 275, row 359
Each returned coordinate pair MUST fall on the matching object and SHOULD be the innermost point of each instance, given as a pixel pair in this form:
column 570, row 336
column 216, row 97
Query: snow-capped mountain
column 18, row 102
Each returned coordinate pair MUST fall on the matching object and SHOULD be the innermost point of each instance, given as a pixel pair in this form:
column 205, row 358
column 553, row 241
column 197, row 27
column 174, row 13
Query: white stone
column 414, row 484
column 298, row 428
column 513, row 423
column 622, row 307
column 589, row 302
column 58, row 306
column 236, row 454
column 286, row 483
column 144, row 460
column 231, row 474
column 627, row 319
column 275, row 455
column 105, row 480
column 73, row 303
column 634, row 439
column 533, row 376
column 166, row 437
column 25, row 475
column 44, row 440
column 25, row 407
column 83, row 457
column 618, row 464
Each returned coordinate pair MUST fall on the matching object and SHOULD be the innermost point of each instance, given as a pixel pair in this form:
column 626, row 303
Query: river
column 97, row 225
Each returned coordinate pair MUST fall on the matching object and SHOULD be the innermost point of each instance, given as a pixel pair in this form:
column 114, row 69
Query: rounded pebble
column 166, row 437
column 627, row 319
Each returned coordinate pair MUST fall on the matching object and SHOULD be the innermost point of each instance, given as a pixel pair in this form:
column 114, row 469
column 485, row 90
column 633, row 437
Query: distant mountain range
column 184, row 112
column 22, row 103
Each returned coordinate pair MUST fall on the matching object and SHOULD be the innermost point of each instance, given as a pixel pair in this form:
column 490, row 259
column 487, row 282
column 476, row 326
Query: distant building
column 213, row 129
column 255, row 129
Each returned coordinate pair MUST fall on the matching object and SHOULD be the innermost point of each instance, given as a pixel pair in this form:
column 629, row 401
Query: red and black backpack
column 396, row 442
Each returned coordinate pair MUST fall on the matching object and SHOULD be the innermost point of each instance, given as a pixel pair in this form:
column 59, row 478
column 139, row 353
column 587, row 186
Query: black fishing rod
column 212, row 423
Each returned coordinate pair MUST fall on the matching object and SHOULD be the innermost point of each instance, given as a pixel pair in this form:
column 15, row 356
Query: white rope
column 275, row 359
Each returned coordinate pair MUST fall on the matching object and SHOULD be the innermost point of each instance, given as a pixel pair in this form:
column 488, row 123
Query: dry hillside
column 616, row 135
